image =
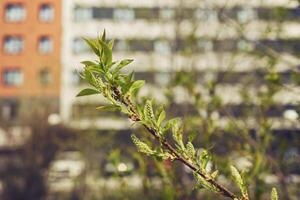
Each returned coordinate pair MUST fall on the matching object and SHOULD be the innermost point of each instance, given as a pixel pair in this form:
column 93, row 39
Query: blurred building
column 156, row 33
column 30, row 56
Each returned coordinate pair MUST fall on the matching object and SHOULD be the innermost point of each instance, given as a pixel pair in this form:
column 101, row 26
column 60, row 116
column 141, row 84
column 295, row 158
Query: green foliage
column 87, row 91
column 239, row 181
column 141, row 146
column 120, row 90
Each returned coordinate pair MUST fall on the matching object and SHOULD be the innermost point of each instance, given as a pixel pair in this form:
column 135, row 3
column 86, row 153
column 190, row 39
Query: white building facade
column 151, row 33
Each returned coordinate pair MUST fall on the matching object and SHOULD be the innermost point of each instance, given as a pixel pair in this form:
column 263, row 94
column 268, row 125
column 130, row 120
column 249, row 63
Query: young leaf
column 165, row 156
column 190, row 150
column 203, row 158
column 239, row 181
column 136, row 86
column 172, row 122
column 203, row 183
column 109, row 107
column 161, row 117
column 111, row 44
column 122, row 64
column 93, row 45
column 88, row 63
column 274, row 194
column 214, row 174
column 103, row 37
column 107, row 53
column 141, row 146
column 87, row 91
column 89, row 76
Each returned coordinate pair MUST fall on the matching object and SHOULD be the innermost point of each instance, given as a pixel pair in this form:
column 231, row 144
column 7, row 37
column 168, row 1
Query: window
column 9, row 109
column 207, row 15
column 46, row 13
column 166, row 13
column 244, row 46
column 124, row 14
column 45, row 77
column 246, row 15
column 102, row 13
column 146, row 13
column 13, row 44
column 45, row 45
column 82, row 14
column 162, row 78
column 121, row 45
column 162, row 47
column 15, row 13
column 12, row 77
column 205, row 45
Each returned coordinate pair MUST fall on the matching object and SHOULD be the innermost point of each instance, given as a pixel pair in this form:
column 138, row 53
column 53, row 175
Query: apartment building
column 155, row 34
column 30, row 41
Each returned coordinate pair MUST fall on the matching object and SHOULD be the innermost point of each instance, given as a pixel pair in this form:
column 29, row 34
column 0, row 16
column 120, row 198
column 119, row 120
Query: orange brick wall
column 30, row 61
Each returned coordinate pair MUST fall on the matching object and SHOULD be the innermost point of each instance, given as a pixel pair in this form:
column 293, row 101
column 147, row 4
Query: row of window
column 15, row 77
column 199, row 45
column 240, row 110
column 16, row 12
column 15, row 44
column 163, row 78
column 241, row 14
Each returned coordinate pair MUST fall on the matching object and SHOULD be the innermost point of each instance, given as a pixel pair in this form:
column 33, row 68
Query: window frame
column 12, row 69
column 5, row 37
column 23, row 5
column 51, row 5
column 51, row 50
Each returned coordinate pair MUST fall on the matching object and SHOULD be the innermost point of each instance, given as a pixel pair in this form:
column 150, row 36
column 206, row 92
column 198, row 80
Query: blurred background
column 230, row 68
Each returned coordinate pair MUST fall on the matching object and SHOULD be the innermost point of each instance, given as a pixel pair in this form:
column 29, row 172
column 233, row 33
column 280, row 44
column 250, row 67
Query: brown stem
column 222, row 190
column 135, row 117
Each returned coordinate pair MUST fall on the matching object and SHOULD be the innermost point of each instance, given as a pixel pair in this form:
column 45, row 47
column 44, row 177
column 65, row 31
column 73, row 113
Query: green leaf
column 94, row 68
column 171, row 123
column 239, row 181
column 161, row 117
column 190, row 150
column 93, row 45
column 107, row 53
column 136, row 86
column 109, row 107
column 214, row 174
column 274, row 194
column 122, row 64
column 111, row 44
column 141, row 146
column 204, row 183
column 203, row 158
column 89, row 76
column 88, row 63
column 165, row 156
column 87, row 91
column 103, row 37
